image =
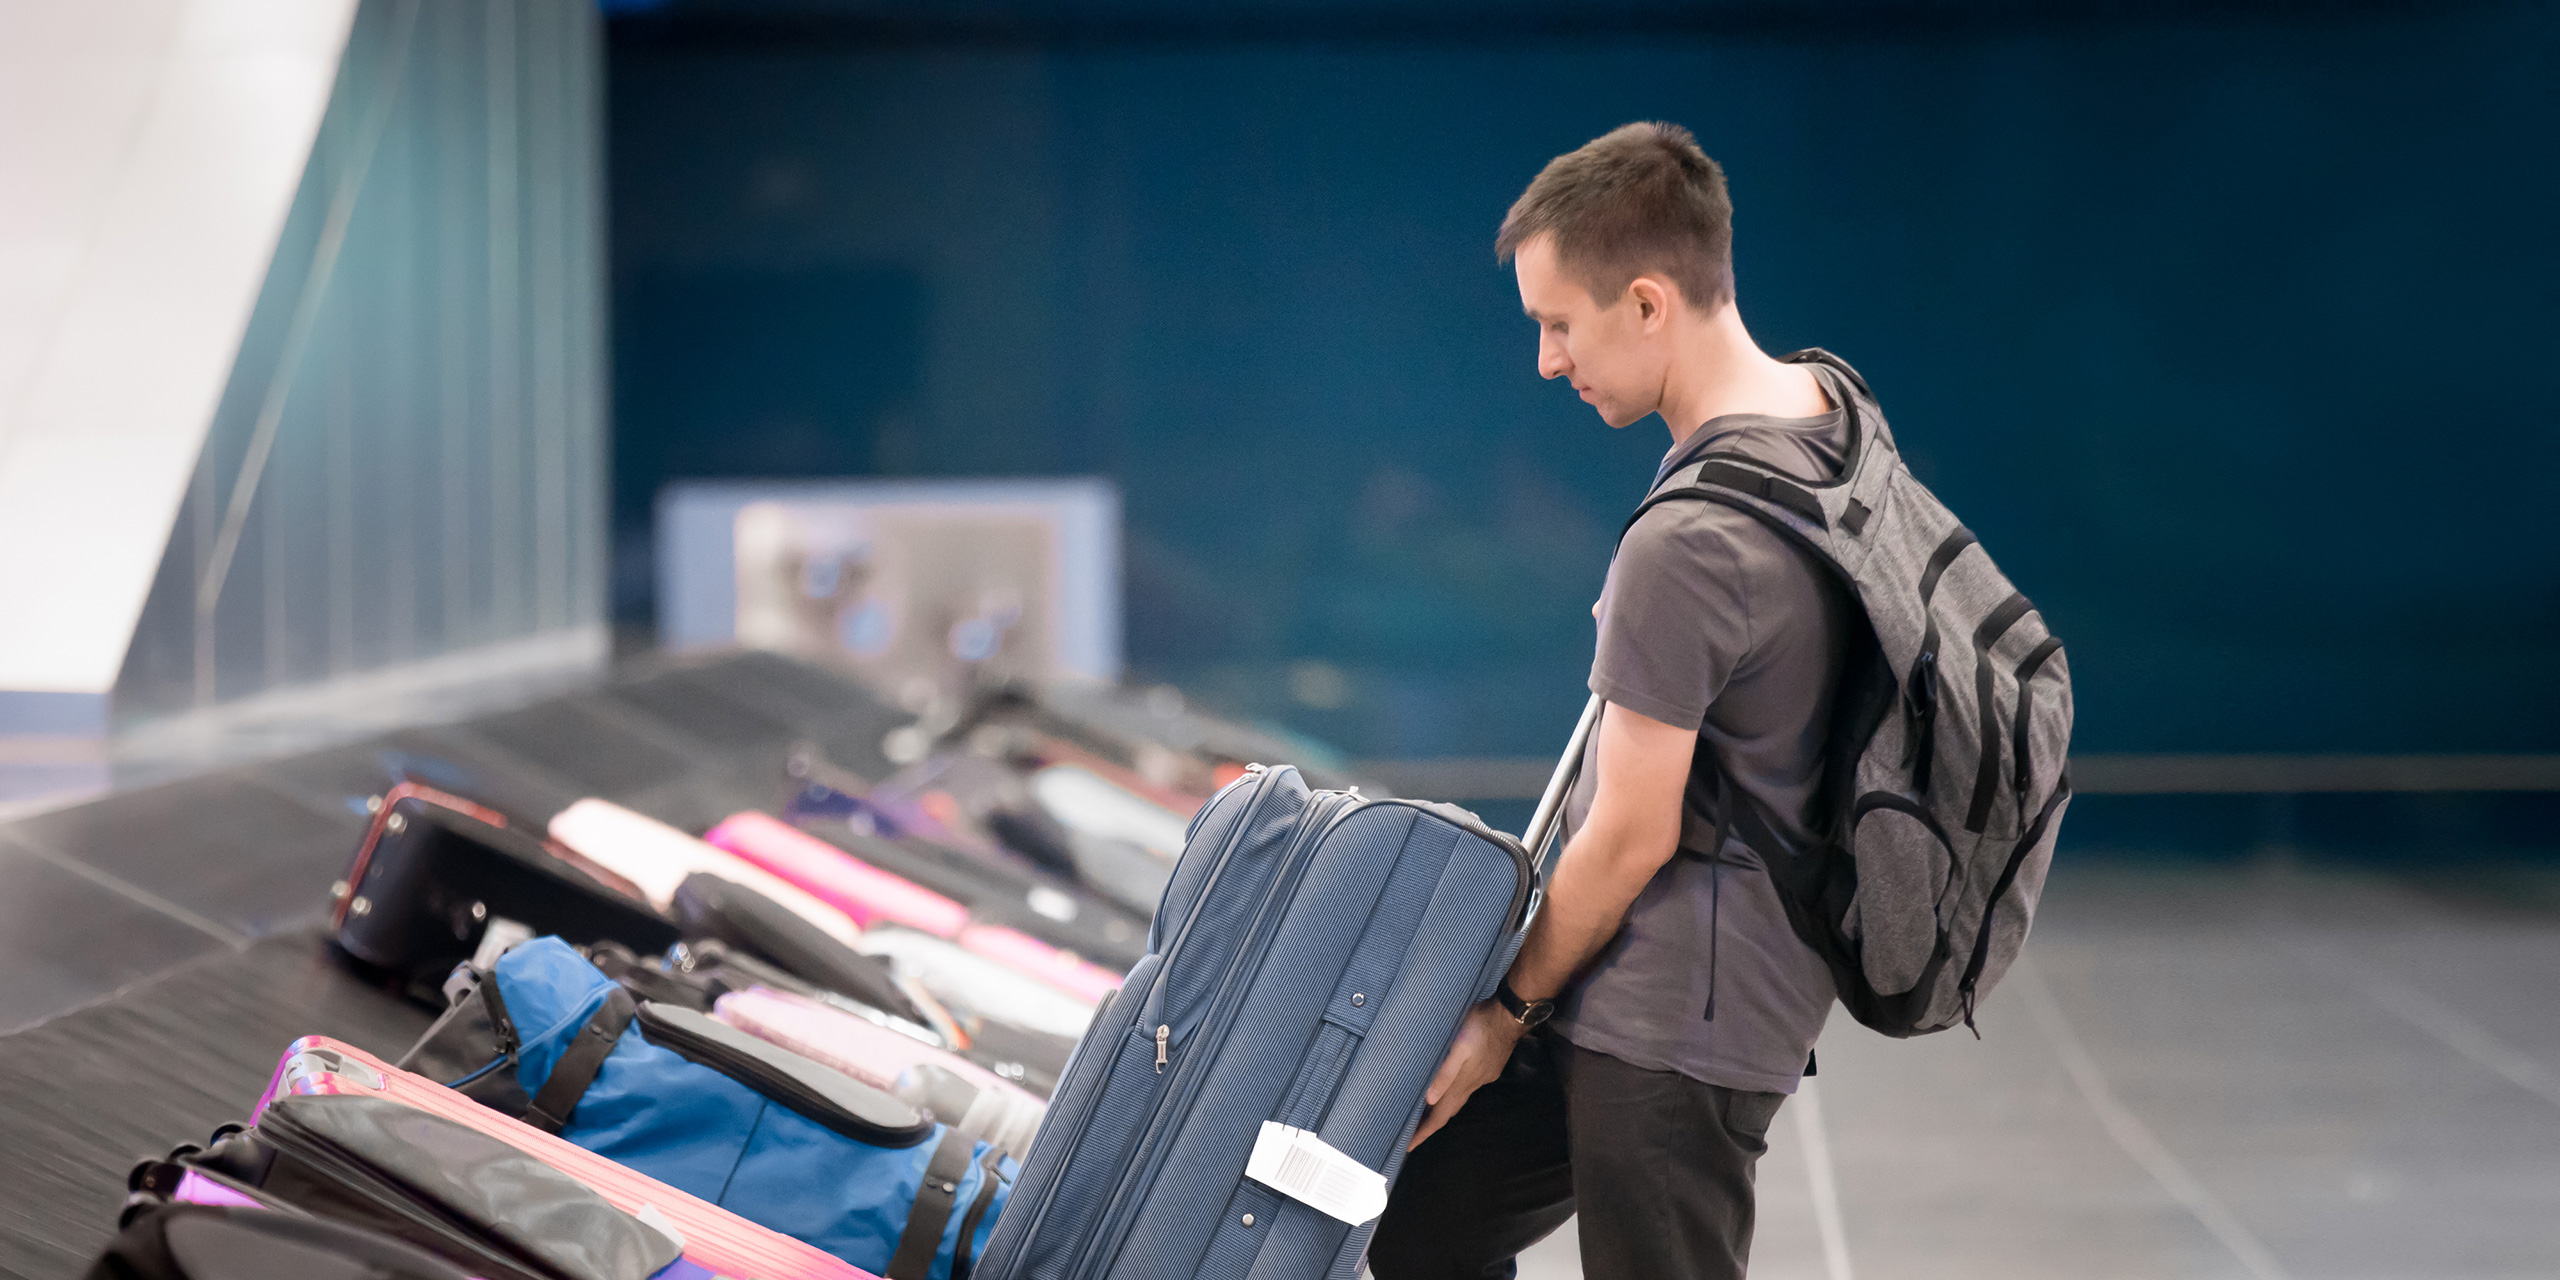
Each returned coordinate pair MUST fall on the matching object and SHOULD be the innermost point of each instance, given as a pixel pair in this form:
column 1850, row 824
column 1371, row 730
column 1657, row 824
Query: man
column 1684, row 1006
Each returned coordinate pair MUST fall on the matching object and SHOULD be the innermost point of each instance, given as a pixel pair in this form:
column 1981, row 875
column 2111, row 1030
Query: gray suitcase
column 1303, row 980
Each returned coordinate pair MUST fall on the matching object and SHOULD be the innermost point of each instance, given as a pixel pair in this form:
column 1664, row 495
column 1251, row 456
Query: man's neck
column 1720, row 371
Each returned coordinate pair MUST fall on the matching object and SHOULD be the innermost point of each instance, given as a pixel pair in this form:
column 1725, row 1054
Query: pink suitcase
column 658, row 857
column 1064, row 970
column 714, row 1239
column 1002, row 1113
column 847, row 883
column 873, row 896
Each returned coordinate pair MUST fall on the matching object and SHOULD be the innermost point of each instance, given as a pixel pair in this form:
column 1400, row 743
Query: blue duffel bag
column 769, row 1135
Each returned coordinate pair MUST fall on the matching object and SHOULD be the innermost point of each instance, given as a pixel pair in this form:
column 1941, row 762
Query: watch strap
column 1528, row 1013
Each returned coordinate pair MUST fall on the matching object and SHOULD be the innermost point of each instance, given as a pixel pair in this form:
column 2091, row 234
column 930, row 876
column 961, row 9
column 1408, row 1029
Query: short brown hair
column 1639, row 198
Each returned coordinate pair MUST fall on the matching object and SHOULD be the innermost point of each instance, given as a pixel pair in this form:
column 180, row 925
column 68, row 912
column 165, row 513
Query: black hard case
column 434, row 869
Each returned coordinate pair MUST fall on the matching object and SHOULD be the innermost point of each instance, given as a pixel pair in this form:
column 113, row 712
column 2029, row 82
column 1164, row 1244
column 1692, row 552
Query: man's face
column 1605, row 352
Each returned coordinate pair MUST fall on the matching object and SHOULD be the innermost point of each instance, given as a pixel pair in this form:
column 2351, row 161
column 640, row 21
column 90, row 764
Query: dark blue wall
column 2227, row 333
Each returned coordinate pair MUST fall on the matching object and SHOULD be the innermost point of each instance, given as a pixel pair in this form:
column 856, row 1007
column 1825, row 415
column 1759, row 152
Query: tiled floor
column 2199, row 1073
column 223, row 848
column 72, row 937
column 92, row 1091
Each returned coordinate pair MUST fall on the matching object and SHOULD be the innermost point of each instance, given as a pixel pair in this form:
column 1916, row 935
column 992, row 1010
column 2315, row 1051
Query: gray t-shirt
column 1709, row 620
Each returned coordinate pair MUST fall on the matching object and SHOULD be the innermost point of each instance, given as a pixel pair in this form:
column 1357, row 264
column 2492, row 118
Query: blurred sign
column 900, row 591
column 941, row 581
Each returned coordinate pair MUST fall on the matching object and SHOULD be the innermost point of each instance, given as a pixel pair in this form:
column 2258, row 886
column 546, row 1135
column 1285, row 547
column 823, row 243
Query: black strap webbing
column 2025, row 764
column 1729, row 478
column 1996, row 623
column 496, row 1004
column 1768, row 488
column 1727, row 795
column 1986, row 780
column 991, row 1176
column 1920, row 695
column 1854, row 517
column 578, row 1064
column 932, row 1212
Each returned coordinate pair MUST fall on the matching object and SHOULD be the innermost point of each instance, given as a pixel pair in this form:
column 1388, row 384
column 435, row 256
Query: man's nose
column 1552, row 362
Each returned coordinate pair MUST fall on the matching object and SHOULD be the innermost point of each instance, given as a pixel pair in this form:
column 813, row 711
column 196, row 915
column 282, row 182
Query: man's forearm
column 1595, row 882
column 1632, row 829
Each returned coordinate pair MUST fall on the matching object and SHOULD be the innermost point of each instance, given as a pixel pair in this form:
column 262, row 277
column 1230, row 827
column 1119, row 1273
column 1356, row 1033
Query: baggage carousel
column 162, row 945
column 2264, row 1068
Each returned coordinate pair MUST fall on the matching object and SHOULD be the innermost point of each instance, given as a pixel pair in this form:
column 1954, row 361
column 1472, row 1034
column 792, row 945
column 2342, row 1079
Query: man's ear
column 1653, row 301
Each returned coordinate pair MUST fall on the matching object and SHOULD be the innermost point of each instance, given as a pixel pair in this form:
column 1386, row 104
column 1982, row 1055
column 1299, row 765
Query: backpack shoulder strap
column 1722, row 471
column 1813, row 514
column 1816, row 355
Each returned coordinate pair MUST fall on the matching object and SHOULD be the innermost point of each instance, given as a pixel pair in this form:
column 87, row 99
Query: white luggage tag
column 1298, row 1164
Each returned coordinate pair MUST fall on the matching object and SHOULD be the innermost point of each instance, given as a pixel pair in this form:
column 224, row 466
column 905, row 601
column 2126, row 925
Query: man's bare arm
column 1632, row 829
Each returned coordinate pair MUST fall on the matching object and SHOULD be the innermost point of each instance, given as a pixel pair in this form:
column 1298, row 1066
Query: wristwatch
column 1528, row 1013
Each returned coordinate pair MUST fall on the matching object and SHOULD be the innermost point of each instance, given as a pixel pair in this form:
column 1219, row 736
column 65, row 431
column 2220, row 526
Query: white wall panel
column 408, row 458
column 148, row 155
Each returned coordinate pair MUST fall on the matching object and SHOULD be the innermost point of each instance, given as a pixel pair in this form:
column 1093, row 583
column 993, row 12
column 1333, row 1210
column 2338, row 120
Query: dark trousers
column 1658, row 1166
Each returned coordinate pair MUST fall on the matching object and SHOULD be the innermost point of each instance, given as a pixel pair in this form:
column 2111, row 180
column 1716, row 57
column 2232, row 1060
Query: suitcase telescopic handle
column 1549, row 814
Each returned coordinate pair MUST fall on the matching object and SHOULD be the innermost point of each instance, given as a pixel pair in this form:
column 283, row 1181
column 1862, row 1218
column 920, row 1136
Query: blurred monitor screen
column 942, row 581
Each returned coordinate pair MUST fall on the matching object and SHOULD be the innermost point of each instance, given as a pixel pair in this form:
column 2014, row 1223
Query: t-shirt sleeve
column 1675, row 617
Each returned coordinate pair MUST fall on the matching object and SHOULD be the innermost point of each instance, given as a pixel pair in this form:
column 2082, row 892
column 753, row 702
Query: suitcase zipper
column 1220, row 1014
column 1209, row 885
column 1162, row 1030
column 1253, row 773
column 1222, row 1005
column 1259, row 777
column 1313, row 823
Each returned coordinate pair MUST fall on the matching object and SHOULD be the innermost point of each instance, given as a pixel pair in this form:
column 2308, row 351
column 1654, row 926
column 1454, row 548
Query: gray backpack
column 1945, row 775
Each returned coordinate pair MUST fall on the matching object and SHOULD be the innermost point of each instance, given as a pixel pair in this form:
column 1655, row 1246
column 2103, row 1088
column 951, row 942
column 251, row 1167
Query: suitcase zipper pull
column 1161, row 1033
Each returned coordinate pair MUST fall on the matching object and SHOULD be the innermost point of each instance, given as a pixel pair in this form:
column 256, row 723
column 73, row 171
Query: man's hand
column 1476, row 1058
